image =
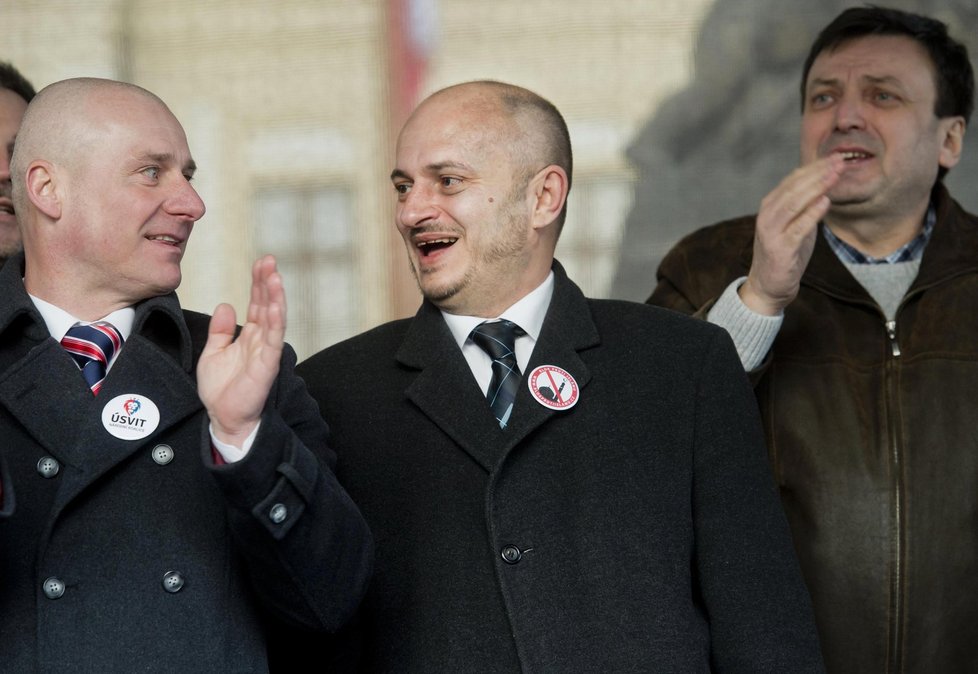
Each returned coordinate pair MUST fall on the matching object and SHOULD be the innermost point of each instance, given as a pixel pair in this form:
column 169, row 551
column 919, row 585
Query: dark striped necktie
column 498, row 339
column 92, row 347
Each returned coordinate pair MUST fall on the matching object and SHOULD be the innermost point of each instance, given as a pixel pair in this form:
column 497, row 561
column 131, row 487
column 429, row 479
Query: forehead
column 471, row 131
column 136, row 125
column 894, row 57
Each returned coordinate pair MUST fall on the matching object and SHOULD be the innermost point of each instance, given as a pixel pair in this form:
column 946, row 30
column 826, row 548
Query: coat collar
column 41, row 387
column 948, row 254
column 446, row 391
column 158, row 319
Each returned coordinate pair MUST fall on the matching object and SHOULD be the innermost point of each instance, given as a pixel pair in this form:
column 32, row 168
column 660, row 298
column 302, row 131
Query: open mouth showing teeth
column 6, row 210
column 854, row 156
column 163, row 238
column 431, row 247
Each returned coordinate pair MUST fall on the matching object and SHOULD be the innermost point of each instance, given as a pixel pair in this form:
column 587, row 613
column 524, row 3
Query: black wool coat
column 164, row 561
column 638, row 531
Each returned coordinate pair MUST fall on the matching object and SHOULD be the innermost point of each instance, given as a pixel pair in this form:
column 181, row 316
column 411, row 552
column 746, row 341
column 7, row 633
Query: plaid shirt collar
column 910, row 251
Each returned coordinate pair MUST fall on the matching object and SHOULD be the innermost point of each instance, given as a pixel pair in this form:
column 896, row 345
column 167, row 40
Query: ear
column 952, row 133
column 41, row 185
column 549, row 189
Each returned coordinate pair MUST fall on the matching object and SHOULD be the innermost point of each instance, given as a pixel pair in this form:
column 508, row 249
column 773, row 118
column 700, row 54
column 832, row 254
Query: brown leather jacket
column 872, row 432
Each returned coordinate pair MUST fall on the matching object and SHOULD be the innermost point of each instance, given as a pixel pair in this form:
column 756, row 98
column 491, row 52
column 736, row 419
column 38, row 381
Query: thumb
column 220, row 332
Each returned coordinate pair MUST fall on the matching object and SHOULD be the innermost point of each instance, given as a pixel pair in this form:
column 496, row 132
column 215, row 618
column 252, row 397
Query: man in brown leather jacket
column 853, row 298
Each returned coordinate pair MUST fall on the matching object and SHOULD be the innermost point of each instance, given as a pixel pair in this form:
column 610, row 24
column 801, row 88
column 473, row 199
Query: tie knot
column 497, row 338
column 92, row 348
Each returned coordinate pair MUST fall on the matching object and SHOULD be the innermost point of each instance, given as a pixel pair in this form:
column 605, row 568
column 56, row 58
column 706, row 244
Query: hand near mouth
column 784, row 236
column 234, row 376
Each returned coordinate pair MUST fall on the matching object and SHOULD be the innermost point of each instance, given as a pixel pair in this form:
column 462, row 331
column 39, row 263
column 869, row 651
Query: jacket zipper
column 891, row 333
column 896, row 456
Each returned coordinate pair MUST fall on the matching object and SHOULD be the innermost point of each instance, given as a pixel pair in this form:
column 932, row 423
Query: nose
column 849, row 113
column 416, row 207
column 184, row 201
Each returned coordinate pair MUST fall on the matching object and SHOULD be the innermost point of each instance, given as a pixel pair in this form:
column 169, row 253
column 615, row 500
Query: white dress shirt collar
column 58, row 321
column 528, row 313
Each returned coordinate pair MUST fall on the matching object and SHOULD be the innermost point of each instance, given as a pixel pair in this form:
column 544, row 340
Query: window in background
column 589, row 244
column 310, row 230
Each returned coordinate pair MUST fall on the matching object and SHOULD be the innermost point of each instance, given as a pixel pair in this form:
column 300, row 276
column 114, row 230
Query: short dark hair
column 955, row 79
column 548, row 121
column 11, row 79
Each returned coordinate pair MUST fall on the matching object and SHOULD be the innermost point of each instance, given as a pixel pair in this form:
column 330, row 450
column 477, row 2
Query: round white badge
column 130, row 416
column 553, row 387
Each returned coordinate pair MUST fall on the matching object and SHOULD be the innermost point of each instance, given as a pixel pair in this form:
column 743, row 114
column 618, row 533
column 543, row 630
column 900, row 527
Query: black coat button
column 278, row 513
column 173, row 581
column 48, row 467
column 511, row 554
column 53, row 588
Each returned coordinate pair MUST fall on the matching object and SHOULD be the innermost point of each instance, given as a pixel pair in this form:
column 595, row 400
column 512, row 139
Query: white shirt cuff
column 231, row 453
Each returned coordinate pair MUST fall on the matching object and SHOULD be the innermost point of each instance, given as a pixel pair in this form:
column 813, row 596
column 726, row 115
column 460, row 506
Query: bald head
column 103, row 196
column 527, row 126
column 64, row 123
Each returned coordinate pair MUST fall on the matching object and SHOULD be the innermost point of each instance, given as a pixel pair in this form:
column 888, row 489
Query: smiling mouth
column 854, row 155
column 6, row 208
column 165, row 238
column 429, row 248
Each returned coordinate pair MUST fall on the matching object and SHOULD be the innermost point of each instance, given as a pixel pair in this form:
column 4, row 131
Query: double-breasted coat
column 637, row 531
column 141, row 554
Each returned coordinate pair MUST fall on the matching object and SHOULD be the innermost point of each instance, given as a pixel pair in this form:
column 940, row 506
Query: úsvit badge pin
column 130, row 416
column 553, row 387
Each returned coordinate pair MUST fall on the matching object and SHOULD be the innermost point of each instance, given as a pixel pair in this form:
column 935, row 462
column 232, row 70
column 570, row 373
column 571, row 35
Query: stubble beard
column 509, row 247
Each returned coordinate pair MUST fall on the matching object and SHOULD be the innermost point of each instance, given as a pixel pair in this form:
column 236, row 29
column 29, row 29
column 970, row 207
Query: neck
column 493, row 305
column 876, row 236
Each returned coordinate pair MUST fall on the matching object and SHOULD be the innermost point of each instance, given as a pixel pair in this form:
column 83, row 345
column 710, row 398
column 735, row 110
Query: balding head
column 481, row 174
column 103, row 196
column 526, row 125
column 64, row 124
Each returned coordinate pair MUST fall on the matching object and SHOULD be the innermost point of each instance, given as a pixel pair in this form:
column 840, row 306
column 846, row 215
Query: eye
column 151, row 172
column 449, row 181
column 885, row 97
column 821, row 99
column 402, row 188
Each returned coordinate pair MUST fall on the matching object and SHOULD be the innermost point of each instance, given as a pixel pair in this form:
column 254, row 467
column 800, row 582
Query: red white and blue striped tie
column 92, row 347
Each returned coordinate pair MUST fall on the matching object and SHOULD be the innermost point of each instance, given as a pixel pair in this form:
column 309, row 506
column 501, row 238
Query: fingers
column 275, row 313
column 785, row 234
column 797, row 204
column 267, row 290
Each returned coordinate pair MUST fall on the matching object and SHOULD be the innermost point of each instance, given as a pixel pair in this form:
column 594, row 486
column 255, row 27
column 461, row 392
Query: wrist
column 759, row 302
column 236, row 436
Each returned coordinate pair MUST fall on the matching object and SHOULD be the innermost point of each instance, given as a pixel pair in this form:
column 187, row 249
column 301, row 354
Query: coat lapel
column 42, row 388
column 447, row 393
column 141, row 372
column 567, row 330
column 445, row 390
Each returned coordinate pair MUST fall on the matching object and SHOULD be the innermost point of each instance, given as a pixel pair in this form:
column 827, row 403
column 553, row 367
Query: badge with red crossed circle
column 553, row 387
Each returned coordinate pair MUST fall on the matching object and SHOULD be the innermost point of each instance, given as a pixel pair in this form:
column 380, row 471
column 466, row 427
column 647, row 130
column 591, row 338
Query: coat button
column 53, row 588
column 162, row 454
column 172, row 581
column 278, row 513
column 511, row 554
column 48, row 467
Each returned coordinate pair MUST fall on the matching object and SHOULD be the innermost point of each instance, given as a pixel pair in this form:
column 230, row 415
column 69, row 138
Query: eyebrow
column 885, row 79
column 437, row 167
